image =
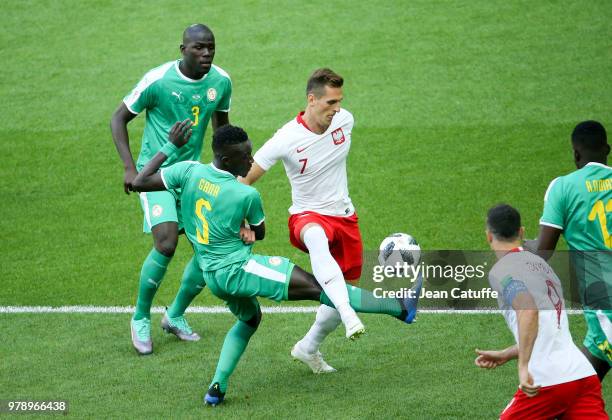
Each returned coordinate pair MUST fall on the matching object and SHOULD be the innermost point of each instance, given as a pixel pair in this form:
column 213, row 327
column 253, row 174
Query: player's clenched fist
column 526, row 382
column 247, row 235
column 128, row 178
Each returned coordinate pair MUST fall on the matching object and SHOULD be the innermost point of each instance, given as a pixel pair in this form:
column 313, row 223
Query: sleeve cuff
column 130, row 108
column 552, row 225
column 262, row 165
column 161, row 173
column 169, row 149
column 257, row 224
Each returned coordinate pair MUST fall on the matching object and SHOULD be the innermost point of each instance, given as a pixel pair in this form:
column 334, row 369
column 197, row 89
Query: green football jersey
column 213, row 206
column 170, row 96
column 580, row 204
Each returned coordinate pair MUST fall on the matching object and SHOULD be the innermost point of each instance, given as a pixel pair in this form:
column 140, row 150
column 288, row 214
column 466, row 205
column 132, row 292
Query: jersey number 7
column 304, row 162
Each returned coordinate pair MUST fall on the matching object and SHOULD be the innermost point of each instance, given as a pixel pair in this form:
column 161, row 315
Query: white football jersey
column 555, row 359
column 315, row 164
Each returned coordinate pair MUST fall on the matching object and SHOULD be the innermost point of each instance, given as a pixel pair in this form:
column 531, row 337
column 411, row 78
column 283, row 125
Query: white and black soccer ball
column 399, row 248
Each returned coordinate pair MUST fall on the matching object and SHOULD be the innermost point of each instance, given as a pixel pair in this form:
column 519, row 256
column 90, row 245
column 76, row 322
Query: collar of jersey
column 598, row 164
column 513, row 250
column 212, row 165
column 189, row 79
column 300, row 120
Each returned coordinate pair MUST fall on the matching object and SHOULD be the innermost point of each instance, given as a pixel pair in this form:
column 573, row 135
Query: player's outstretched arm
column 254, row 174
column 119, row 121
column 149, row 179
column 490, row 359
column 546, row 242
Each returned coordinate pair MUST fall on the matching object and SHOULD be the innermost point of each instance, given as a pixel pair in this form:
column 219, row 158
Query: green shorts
column 239, row 284
column 160, row 207
column 599, row 334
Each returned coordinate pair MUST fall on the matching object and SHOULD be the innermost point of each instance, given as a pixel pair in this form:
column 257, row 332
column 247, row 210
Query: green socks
column 191, row 285
column 234, row 345
column 151, row 276
column 362, row 300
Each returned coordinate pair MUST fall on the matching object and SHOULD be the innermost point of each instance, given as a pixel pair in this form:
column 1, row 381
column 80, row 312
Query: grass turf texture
column 396, row 371
column 457, row 107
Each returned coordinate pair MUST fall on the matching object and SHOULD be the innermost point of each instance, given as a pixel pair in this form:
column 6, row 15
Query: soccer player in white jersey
column 313, row 147
column 555, row 378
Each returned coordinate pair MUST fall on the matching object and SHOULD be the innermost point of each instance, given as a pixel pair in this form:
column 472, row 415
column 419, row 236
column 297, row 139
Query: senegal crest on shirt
column 211, row 94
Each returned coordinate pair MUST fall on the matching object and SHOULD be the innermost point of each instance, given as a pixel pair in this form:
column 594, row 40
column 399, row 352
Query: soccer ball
column 399, row 248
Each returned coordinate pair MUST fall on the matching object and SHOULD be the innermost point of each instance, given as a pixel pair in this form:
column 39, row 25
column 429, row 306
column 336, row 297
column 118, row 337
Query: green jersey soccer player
column 579, row 205
column 191, row 88
column 214, row 205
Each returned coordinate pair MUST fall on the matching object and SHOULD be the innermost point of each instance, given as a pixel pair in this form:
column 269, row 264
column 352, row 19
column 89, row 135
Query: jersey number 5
column 598, row 211
column 202, row 237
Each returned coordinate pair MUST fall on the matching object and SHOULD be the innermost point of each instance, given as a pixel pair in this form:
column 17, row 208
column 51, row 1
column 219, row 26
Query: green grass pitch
column 425, row 371
column 458, row 106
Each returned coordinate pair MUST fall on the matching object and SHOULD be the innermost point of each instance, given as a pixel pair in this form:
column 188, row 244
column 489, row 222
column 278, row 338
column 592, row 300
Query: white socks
column 328, row 274
column 326, row 321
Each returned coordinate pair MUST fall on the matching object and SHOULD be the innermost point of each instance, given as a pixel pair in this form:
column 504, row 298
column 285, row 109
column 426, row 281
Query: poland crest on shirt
column 315, row 164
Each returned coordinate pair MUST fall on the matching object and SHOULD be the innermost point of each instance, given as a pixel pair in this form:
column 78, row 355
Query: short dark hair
column 504, row 222
column 590, row 135
column 195, row 29
column 228, row 135
column 321, row 78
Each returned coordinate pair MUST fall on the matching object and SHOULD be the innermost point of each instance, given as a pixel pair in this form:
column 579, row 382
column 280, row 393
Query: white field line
column 213, row 310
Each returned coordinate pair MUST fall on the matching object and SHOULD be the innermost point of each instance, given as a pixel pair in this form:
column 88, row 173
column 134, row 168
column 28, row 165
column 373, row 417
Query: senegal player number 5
column 203, row 235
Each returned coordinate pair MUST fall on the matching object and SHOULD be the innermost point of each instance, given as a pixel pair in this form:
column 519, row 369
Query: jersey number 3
column 202, row 236
column 598, row 211
column 196, row 115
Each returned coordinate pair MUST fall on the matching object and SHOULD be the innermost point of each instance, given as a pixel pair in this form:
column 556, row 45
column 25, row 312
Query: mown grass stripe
column 214, row 310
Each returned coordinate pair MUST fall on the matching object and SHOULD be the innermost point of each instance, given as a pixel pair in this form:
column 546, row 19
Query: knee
column 314, row 237
column 166, row 244
column 255, row 320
